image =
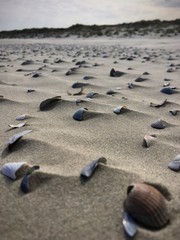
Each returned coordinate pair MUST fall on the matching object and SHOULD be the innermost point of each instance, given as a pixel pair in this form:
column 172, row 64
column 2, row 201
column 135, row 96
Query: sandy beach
column 59, row 205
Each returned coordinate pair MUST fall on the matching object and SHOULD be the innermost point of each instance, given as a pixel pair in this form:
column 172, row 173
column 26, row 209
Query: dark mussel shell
column 111, row 92
column 16, row 138
column 167, row 90
column 89, row 169
column 78, row 85
column 140, row 79
column 175, row 164
column 88, row 77
column 159, row 124
column 91, row 94
column 24, row 186
column 49, row 103
column 158, row 104
column 147, row 206
column 79, row 114
column 114, row 73
column 129, row 225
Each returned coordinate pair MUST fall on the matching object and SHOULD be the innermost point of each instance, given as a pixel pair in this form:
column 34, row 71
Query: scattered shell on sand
column 30, row 90
column 147, row 205
column 18, row 125
column 78, row 85
column 111, row 92
column 91, row 94
column 22, row 117
column 174, row 112
column 175, row 163
column 16, row 138
column 48, row 103
column 120, row 109
column 167, row 90
column 140, row 79
column 75, row 91
column 159, row 124
column 129, row 225
column 25, row 186
column 87, row 77
column 89, row 169
column 158, row 104
column 15, row 170
column 148, row 140
column 79, row 114
column 114, row 73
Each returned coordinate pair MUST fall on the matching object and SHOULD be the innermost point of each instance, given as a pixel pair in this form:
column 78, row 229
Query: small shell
column 18, row 125
column 87, row 77
column 158, row 104
column 174, row 112
column 159, row 124
column 120, row 109
column 30, row 90
column 79, row 114
column 17, row 137
column 167, row 90
column 77, row 85
column 140, row 79
column 130, row 85
column 91, row 94
column 75, row 91
column 22, row 117
column 49, row 103
column 89, row 169
column 10, row 169
column 114, row 73
column 129, row 225
column 175, row 164
column 110, row 92
column 148, row 139
column 25, row 186
column 147, row 205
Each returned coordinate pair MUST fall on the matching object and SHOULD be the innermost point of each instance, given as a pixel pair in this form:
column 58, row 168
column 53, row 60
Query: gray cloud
column 19, row 14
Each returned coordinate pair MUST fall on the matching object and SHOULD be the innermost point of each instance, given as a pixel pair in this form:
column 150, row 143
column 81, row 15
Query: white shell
column 9, row 169
column 18, row 125
column 22, row 117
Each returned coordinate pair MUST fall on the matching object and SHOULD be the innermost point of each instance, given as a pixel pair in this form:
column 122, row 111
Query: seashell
column 49, row 103
column 159, row 124
column 35, row 75
column 91, row 94
column 75, row 91
column 114, row 73
column 77, row 85
column 167, row 90
column 175, row 164
column 30, row 90
column 25, row 186
column 16, row 138
column 89, row 169
column 159, row 104
column 146, row 205
column 145, row 73
column 110, row 92
column 18, row 125
column 166, row 84
column 120, row 109
column 22, row 117
column 79, row 114
column 27, row 62
column 140, row 79
column 130, row 85
column 129, row 225
column 148, row 139
column 87, row 77
column 174, row 112
column 10, row 169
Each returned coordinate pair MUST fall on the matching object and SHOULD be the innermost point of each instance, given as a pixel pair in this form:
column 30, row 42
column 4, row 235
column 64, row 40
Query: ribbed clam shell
column 167, row 90
column 158, row 104
column 48, row 103
column 147, row 206
column 159, row 124
column 18, row 125
column 79, row 114
column 148, row 140
column 89, row 169
column 10, row 169
column 175, row 164
column 129, row 225
column 120, row 109
column 25, row 184
column 16, row 137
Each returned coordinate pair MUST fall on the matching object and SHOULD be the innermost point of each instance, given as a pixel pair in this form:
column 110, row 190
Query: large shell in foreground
column 129, row 225
column 147, row 206
column 175, row 163
column 14, row 170
column 89, row 169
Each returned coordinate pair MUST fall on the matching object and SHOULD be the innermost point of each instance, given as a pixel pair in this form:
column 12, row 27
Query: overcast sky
column 20, row 14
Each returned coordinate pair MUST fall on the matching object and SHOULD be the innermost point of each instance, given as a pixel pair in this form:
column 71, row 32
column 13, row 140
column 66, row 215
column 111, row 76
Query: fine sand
column 59, row 206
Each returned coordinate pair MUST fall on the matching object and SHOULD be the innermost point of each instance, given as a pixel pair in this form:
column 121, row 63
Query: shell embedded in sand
column 175, row 164
column 120, row 109
column 174, row 112
column 129, row 225
column 148, row 140
column 48, row 103
column 147, row 205
column 114, row 73
column 18, row 125
column 167, row 90
column 88, row 77
column 17, row 137
column 25, row 186
column 111, row 92
column 91, row 94
column 159, row 124
column 130, row 85
column 140, row 79
column 22, row 117
column 89, row 169
column 11, row 169
column 75, row 91
column 78, row 85
column 79, row 114
column 158, row 104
